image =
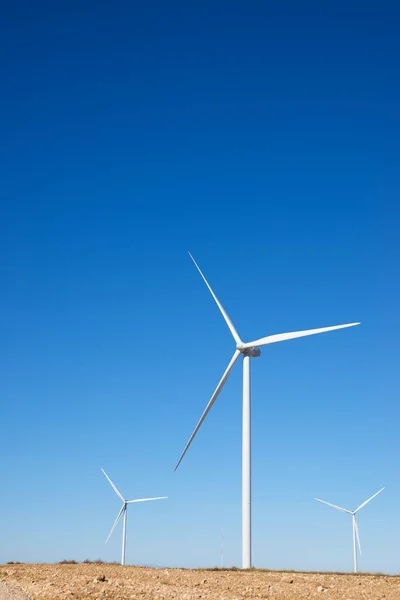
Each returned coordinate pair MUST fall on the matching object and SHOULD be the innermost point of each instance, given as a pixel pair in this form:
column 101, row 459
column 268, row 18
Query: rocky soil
column 10, row 592
column 105, row 581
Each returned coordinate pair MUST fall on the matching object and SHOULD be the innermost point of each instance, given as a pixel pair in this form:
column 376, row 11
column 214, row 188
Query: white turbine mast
column 222, row 547
column 356, row 536
column 123, row 513
column 248, row 350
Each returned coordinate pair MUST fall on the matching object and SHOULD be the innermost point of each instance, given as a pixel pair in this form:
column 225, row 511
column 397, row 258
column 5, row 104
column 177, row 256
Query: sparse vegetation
column 288, row 571
column 98, row 561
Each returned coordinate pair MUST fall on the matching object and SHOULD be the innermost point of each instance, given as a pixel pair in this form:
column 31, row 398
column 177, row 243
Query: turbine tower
column 248, row 350
column 123, row 512
column 354, row 524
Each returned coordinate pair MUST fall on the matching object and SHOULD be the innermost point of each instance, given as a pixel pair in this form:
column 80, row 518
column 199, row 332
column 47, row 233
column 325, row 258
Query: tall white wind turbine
column 354, row 524
column 248, row 350
column 123, row 513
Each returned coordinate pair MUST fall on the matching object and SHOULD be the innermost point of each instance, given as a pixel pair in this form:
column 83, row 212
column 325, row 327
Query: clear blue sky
column 265, row 139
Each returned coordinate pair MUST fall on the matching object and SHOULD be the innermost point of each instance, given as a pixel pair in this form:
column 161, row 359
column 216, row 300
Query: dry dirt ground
column 105, row 581
column 9, row 592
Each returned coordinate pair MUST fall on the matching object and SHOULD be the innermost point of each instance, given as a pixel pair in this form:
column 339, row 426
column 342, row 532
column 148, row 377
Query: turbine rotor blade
column 211, row 402
column 369, row 500
column 146, row 499
column 334, row 506
column 221, row 308
column 114, row 487
column 116, row 521
column 283, row 337
column 357, row 535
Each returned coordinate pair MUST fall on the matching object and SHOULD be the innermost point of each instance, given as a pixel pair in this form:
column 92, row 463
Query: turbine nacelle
column 253, row 351
column 248, row 349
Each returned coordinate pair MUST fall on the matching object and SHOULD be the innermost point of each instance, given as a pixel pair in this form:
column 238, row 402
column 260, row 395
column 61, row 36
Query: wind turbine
column 123, row 512
column 248, row 350
column 354, row 523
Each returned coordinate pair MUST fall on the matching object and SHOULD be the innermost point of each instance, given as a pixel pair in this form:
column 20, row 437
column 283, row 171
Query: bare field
column 107, row 581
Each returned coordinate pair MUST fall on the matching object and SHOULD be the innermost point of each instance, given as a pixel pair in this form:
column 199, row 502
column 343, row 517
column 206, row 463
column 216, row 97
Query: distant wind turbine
column 354, row 523
column 123, row 512
column 248, row 350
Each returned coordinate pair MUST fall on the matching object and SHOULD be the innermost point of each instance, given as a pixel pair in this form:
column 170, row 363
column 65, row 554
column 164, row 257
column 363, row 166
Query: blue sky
column 264, row 139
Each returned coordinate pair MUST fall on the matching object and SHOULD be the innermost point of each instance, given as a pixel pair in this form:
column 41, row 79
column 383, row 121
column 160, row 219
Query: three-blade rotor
column 245, row 348
column 351, row 512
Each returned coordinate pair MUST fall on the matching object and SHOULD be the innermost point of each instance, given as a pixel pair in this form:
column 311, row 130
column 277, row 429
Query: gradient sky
column 265, row 139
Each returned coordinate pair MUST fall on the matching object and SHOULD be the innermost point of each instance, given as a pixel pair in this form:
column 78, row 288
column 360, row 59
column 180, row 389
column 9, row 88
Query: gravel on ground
column 8, row 592
column 113, row 582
